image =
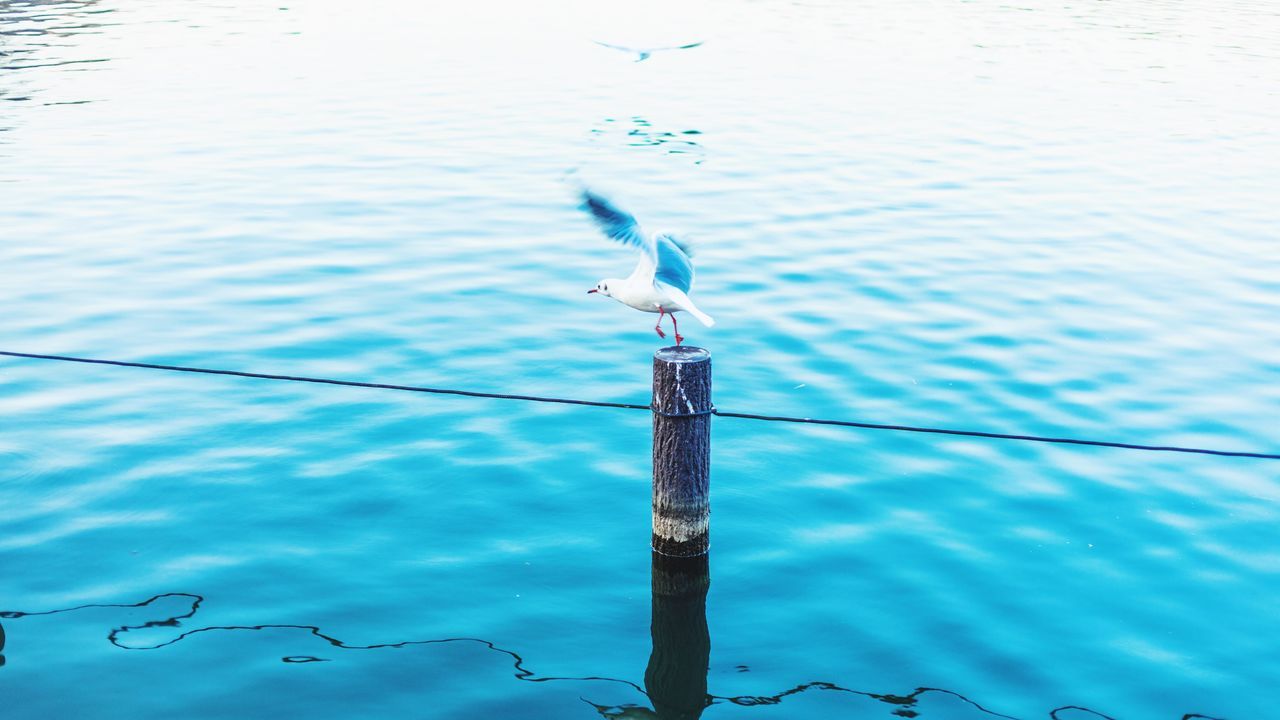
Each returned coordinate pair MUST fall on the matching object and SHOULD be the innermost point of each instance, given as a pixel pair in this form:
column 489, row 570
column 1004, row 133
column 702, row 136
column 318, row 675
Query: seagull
column 663, row 277
column 644, row 53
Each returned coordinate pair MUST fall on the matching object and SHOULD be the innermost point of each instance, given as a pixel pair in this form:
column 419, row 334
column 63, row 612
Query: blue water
column 1040, row 218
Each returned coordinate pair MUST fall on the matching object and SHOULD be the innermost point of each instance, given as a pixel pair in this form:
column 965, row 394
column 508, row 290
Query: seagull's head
column 601, row 287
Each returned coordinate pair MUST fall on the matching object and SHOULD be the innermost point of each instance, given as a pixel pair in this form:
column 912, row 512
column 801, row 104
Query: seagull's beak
column 593, row 290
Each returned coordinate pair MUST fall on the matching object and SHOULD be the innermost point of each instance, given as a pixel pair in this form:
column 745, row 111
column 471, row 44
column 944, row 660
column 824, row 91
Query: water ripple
column 1051, row 220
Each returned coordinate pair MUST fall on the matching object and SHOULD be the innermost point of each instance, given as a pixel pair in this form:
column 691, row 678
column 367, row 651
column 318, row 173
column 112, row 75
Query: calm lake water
column 1042, row 218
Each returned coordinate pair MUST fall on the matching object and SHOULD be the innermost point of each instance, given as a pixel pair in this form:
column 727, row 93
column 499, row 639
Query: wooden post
column 676, row 678
column 681, row 450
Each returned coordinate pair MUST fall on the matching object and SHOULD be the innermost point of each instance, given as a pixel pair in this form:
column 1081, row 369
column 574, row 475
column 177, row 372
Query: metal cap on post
column 681, row 450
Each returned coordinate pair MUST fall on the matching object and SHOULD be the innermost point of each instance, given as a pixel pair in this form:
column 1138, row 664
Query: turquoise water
column 1032, row 218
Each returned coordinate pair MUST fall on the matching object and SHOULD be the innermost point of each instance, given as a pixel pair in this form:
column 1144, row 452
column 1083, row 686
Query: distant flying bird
column 644, row 53
column 664, row 276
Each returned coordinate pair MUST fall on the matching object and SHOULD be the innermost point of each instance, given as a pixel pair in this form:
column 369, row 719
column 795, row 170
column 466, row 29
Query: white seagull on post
column 664, row 276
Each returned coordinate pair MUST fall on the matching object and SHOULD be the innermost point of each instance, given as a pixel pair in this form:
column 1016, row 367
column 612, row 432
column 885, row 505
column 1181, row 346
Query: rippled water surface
column 1054, row 219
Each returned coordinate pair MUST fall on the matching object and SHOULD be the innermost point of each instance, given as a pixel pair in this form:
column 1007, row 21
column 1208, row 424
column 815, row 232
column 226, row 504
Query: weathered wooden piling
column 681, row 450
column 676, row 677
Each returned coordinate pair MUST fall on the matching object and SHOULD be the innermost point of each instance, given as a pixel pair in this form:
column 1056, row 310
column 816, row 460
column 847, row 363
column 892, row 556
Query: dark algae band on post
column 635, row 406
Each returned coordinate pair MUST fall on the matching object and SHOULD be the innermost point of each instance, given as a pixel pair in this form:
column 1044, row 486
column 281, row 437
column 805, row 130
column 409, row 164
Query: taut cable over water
column 636, row 406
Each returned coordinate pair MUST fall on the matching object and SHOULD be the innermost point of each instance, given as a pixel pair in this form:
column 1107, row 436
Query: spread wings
column 662, row 257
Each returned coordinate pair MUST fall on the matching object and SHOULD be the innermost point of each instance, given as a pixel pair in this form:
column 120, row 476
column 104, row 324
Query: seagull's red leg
column 658, row 328
column 677, row 329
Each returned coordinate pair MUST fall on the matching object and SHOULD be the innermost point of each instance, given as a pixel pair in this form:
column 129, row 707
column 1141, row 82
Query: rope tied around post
column 697, row 413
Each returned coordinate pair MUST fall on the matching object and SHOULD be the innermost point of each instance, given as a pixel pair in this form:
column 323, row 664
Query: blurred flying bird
column 644, row 53
column 663, row 277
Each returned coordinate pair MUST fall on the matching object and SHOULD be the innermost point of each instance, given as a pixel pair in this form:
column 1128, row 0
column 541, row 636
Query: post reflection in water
column 676, row 677
column 1, row 645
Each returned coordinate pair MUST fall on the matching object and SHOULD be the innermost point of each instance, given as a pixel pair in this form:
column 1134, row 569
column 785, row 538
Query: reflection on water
column 45, row 20
column 905, row 705
column 676, row 677
column 39, row 18
column 675, row 680
column 638, row 132
column 29, row 32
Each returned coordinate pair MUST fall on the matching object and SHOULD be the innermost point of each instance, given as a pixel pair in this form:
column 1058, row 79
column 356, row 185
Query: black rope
column 326, row 381
column 634, row 406
column 999, row 436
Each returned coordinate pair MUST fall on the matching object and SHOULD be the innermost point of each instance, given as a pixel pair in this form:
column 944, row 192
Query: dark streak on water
column 642, row 134
column 904, row 703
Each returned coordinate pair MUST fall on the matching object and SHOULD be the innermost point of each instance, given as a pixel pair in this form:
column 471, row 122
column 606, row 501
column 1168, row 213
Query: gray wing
column 616, row 47
column 647, row 51
column 663, row 255
column 673, row 267
column 683, row 47
column 618, row 224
